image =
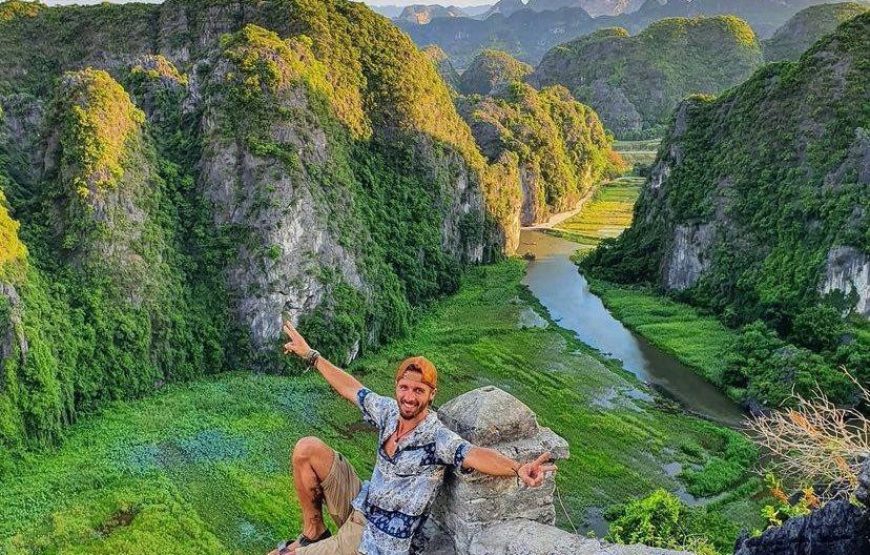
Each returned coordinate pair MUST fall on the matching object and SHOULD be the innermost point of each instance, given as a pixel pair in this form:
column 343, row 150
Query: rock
column 524, row 537
column 481, row 515
column 687, row 258
column 838, row 528
column 470, row 503
column 863, row 491
column 848, row 270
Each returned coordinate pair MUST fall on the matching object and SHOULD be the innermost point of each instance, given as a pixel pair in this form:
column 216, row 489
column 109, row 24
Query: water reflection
column 553, row 278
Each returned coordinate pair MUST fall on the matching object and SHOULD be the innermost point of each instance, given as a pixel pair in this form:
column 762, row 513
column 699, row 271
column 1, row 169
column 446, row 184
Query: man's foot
column 289, row 548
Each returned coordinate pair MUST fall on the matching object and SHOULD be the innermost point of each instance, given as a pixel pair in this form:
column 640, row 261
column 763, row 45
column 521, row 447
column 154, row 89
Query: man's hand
column 296, row 344
column 532, row 474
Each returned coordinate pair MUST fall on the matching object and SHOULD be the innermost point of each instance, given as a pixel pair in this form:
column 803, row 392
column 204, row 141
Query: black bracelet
column 311, row 358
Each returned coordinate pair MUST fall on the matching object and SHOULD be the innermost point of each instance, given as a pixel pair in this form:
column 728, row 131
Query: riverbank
column 698, row 340
column 202, row 467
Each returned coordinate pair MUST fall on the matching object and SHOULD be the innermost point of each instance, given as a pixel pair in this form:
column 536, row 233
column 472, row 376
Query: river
column 555, row 280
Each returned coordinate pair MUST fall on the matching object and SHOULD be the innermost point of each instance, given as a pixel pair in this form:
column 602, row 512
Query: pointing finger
column 545, row 457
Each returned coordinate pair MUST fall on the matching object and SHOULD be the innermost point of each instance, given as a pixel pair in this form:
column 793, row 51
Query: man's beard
column 414, row 412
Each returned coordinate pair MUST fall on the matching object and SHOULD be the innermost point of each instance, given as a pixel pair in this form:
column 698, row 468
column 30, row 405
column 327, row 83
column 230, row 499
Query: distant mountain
column 765, row 16
column 635, row 82
column 758, row 207
column 596, row 8
column 424, row 13
column 491, row 69
column 806, row 27
column 442, row 64
column 527, row 34
column 476, row 11
column 544, row 5
column 505, row 8
column 391, row 11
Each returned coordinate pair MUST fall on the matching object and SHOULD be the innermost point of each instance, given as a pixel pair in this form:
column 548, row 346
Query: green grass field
column 698, row 340
column 605, row 215
column 202, row 467
column 638, row 152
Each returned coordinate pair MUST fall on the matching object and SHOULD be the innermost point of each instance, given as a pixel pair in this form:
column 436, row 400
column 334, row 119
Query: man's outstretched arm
column 490, row 461
column 346, row 385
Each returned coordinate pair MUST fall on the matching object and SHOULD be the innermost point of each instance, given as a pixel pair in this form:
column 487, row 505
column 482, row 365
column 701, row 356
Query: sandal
column 303, row 541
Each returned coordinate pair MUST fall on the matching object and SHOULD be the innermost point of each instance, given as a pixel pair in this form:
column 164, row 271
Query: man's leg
column 311, row 460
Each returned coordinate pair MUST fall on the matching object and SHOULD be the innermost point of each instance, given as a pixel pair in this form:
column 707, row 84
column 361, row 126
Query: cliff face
column 489, row 70
column 560, row 144
column 757, row 206
column 806, row 27
column 199, row 169
column 635, row 82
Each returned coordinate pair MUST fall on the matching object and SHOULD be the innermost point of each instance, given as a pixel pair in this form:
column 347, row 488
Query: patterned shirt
column 397, row 499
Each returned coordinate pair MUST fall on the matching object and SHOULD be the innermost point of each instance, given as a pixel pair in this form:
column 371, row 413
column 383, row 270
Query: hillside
column 177, row 176
column 806, row 27
column 634, row 82
column 757, row 208
column 424, row 13
column 527, row 34
column 489, row 70
column 765, row 16
column 559, row 143
column 443, row 66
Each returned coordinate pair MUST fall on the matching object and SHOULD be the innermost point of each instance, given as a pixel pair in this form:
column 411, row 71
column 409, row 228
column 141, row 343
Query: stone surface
column 523, row 537
column 687, row 260
column 472, row 502
column 848, row 270
column 838, row 528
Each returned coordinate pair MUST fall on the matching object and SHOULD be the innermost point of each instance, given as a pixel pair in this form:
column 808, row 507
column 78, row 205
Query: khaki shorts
column 339, row 489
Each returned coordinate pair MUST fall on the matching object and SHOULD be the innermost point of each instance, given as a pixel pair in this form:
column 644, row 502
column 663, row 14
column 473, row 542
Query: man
column 382, row 516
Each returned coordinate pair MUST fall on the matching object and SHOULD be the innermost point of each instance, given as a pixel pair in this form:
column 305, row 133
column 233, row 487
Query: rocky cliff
column 185, row 173
column 757, row 206
column 490, row 70
column 635, row 82
column 838, row 528
column 481, row 515
column 559, row 144
column 806, row 27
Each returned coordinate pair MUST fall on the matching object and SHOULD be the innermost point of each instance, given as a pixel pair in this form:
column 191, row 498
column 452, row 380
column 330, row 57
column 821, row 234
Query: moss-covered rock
column 806, row 27
column 491, row 69
column 560, row 145
column 635, row 82
column 212, row 167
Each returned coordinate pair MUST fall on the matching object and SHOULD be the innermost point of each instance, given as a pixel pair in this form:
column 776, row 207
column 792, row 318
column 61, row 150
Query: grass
column 636, row 153
column 606, row 215
column 202, row 467
column 697, row 339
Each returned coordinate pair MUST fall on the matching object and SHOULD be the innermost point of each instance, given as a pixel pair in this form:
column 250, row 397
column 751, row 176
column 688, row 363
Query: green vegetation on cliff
column 489, row 69
column 757, row 208
column 806, row 27
column 308, row 160
column 635, row 82
column 562, row 149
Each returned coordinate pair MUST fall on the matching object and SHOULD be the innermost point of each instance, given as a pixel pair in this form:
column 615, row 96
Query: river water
column 555, row 280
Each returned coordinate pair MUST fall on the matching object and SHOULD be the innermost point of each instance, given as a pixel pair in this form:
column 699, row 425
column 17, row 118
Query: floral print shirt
column 397, row 499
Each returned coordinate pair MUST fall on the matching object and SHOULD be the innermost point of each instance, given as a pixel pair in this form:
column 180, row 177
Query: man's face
column 412, row 395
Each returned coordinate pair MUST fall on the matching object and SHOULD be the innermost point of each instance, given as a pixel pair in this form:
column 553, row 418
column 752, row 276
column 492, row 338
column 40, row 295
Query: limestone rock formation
column 806, row 27
column 481, row 515
column 621, row 76
column 490, row 70
column 838, row 528
column 188, row 172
